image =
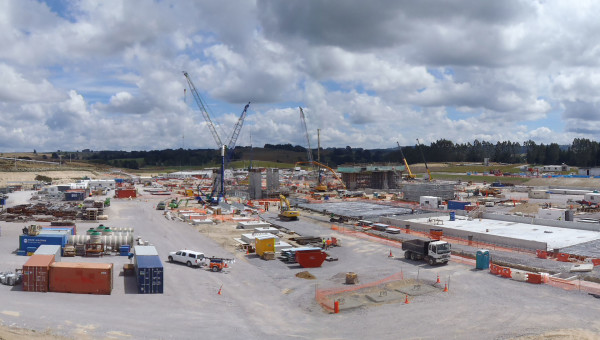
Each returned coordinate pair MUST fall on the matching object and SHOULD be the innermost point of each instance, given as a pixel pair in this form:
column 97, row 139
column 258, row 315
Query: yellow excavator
column 285, row 211
column 410, row 175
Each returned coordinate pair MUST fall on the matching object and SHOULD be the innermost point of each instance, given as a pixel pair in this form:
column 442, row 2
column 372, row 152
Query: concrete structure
column 372, row 176
column 255, row 184
column 272, row 180
column 555, row 168
column 413, row 191
column 541, row 194
column 500, row 232
column 589, row 171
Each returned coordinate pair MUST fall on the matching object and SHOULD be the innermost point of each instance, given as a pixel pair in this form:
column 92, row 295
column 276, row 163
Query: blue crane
column 218, row 192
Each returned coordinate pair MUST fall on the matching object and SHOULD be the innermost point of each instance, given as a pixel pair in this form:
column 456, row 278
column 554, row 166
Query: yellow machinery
column 285, row 211
column 410, row 175
column 321, row 186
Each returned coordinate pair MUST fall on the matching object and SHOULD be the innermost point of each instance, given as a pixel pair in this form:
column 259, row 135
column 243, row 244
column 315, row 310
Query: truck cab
column 438, row 252
column 433, row 252
column 189, row 257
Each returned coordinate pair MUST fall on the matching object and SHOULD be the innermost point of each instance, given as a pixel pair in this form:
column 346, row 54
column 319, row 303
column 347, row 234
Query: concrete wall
column 476, row 237
column 550, row 223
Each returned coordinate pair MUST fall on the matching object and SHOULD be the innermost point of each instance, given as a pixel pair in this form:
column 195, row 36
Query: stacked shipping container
column 148, row 270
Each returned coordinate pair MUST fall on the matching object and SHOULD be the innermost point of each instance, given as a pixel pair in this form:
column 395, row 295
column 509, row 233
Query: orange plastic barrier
column 494, row 269
column 562, row 257
column 534, row 278
column 596, row 262
column 506, row 272
column 541, row 254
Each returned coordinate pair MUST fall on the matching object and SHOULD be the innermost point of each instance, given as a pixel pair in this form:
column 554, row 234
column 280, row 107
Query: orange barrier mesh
column 322, row 296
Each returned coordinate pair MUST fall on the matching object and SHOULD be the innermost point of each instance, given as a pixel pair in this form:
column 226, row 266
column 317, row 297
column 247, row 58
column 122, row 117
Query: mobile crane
column 218, row 193
column 410, row 174
column 424, row 161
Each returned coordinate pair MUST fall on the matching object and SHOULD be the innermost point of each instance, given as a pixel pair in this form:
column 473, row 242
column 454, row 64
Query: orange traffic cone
column 390, row 255
column 406, row 300
column 219, row 292
column 445, row 287
column 438, row 279
column 247, row 251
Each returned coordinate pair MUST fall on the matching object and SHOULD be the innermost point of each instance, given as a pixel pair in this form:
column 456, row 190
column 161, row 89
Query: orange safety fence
column 450, row 239
column 322, row 296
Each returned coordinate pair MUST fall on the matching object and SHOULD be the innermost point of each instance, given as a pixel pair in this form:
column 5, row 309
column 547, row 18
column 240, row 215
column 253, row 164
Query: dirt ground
column 222, row 239
column 58, row 177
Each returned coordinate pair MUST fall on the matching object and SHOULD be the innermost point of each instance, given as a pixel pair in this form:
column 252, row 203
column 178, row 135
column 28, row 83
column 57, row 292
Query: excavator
column 410, row 175
column 285, row 211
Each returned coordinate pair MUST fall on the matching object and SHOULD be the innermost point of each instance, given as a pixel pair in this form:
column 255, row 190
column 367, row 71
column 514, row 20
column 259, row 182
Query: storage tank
column 107, row 232
column 95, row 237
column 90, row 231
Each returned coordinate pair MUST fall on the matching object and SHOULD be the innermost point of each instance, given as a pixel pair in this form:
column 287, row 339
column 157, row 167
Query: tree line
column 581, row 153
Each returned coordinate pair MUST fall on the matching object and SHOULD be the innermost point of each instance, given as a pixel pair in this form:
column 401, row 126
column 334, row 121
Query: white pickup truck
column 189, row 257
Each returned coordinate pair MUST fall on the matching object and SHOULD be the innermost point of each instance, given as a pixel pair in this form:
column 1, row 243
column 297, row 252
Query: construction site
column 290, row 261
column 361, row 251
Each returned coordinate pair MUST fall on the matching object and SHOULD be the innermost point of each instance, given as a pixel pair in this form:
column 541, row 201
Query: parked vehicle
column 161, row 206
column 218, row 263
column 189, row 257
column 431, row 251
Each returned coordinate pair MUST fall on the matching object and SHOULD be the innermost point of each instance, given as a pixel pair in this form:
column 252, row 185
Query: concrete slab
column 358, row 209
column 385, row 296
column 553, row 236
column 419, row 289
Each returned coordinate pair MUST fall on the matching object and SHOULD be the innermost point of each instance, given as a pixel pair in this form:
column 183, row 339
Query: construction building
column 413, row 191
column 372, row 176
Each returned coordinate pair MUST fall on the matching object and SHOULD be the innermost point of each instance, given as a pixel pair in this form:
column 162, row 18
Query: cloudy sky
column 107, row 75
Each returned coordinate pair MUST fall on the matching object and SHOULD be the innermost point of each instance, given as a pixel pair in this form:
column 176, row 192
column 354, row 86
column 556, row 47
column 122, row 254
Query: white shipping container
column 145, row 251
column 50, row 249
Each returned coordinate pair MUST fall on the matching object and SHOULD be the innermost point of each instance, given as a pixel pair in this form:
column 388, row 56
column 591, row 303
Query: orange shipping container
column 81, row 278
column 35, row 273
column 126, row 193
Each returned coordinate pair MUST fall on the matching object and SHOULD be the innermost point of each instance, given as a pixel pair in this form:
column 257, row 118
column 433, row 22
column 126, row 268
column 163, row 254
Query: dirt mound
column 562, row 334
column 305, row 275
column 526, row 208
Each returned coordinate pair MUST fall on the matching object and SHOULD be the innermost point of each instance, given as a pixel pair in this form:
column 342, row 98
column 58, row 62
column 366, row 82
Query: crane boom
column 424, row 161
column 309, row 150
column 410, row 174
column 325, row 167
column 235, row 134
column 204, row 111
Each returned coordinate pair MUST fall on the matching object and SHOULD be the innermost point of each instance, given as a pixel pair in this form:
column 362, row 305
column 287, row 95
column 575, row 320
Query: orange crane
column 321, row 186
column 410, row 174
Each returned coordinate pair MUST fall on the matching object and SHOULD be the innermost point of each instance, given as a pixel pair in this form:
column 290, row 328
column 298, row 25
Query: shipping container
column 149, row 274
column 50, row 249
column 74, row 196
column 81, row 278
column 69, row 229
column 145, row 251
column 457, row 205
column 26, row 241
column 35, row 273
column 126, row 193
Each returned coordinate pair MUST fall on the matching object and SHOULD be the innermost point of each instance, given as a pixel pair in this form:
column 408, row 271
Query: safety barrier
column 322, row 296
column 562, row 257
column 534, row 278
column 542, row 254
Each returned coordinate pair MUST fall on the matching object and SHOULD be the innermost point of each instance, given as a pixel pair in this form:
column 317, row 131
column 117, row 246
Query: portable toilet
column 452, row 216
column 263, row 243
column 482, row 259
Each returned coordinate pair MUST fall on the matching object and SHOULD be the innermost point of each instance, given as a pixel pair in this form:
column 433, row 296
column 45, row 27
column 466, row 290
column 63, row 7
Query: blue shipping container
column 149, row 275
column 26, row 241
column 457, row 205
column 74, row 196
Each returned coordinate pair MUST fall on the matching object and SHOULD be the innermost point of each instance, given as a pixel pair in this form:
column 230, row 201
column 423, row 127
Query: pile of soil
column 526, row 209
column 306, row 275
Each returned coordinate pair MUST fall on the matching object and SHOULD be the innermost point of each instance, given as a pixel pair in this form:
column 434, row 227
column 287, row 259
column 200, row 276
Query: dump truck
column 433, row 252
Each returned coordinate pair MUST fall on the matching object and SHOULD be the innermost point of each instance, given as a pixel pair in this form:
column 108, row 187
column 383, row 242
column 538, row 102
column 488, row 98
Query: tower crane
column 424, row 161
column 410, row 174
column 226, row 150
